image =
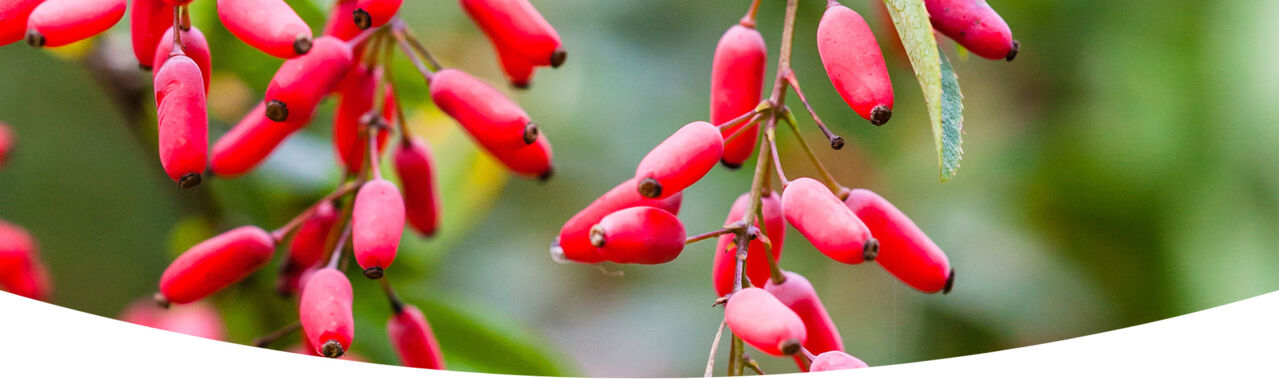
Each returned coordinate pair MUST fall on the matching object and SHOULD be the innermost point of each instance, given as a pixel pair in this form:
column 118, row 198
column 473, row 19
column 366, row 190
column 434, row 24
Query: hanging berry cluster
column 775, row 311
column 349, row 60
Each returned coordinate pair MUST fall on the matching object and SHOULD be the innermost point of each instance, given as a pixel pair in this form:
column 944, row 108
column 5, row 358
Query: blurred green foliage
column 1120, row 171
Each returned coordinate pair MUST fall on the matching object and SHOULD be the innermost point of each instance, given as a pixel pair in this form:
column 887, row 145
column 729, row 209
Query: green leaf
column 936, row 78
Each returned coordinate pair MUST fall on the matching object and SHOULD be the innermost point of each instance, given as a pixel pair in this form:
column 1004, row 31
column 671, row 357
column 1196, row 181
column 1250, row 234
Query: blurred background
column 1120, row 171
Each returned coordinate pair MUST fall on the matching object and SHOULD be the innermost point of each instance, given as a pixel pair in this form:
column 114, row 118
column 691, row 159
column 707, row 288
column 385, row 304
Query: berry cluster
column 21, row 271
column 776, row 311
column 350, row 60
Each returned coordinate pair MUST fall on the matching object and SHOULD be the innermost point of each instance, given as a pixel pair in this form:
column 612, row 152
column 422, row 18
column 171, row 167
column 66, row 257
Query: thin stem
column 337, row 250
column 806, row 354
column 710, row 361
column 749, row 19
column 177, row 33
column 712, row 234
column 397, row 304
column 806, row 358
column 735, row 357
column 283, row 231
column 742, row 131
column 184, row 21
column 374, row 166
column 402, row 41
column 417, row 45
column 360, row 38
column 752, row 364
column 836, row 142
column 744, row 117
column 400, row 119
column 771, row 135
column 348, row 206
column 808, row 150
column 277, row 334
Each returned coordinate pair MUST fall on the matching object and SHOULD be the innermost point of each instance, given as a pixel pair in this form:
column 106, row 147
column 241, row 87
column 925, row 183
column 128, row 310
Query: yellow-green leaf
column 941, row 89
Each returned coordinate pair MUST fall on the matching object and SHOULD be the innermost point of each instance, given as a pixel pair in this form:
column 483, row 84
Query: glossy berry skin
column 376, row 225
column 798, row 295
column 216, row 263
column 375, row 13
column 679, row 161
column 148, row 19
column 416, row 168
column 356, row 92
column 413, row 340
column 974, row 25
column 644, row 235
column 194, row 46
column 268, row 25
column 519, row 71
column 21, row 272
column 492, row 119
column 250, row 142
column 300, row 83
column 7, row 141
column 325, row 312
column 764, row 322
column 533, row 161
column 757, row 268
column 854, row 63
column 904, row 249
column 519, row 26
column 340, row 24
column 813, row 210
column 13, row 19
column 307, row 247
column 195, row 319
column 62, row 22
column 737, row 80
column 183, row 120
column 835, row 360
column 574, row 242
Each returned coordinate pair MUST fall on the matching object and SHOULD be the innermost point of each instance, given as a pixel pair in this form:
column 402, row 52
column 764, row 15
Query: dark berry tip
column 558, row 57
column 374, row 273
column 302, row 44
column 789, row 347
column 161, row 301
column 189, row 180
column 837, row 142
column 35, row 39
column 880, row 115
column 520, row 85
column 546, row 176
column 277, row 111
column 950, row 282
column 650, row 188
column 597, row 236
column 144, row 67
column 332, row 349
column 870, row 250
column 1012, row 53
column 362, row 19
column 730, row 165
column 530, row 132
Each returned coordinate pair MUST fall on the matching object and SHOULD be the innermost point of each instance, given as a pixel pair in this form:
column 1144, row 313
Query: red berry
column 574, row 242
column 532, row 161
column 195, row 319
column 516, row 24
column 413, row 340
column 762, row 321
column 193, row 45
column 798, row 295
column 307, row 247
column 517, row 69
column 147, row 23
column 61, row 22
column 492, row 119
column 300, row 83
column 904, row 249
column 813, row 210
column 974, row 25
column 679, row 161
column 340, row 24
column 216, row 263
column 854, row 63
column 376, row 226
column 737, row 80
column 836, row 360
column 375, row 13
column 356, row 93
column 13, row 19
column 183, row 120
column 177, row 2
column 644, row 235
column 268, row 25
column 325, row 312
column 250, row 142
column 416, row 169
column 21, row 272
column 7, row 141
column 757, row 268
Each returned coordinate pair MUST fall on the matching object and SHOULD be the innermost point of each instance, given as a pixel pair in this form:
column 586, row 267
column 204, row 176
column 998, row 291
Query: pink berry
column 325, row 312
column 413, row 340
column 21, row 271
column 13, row 19
column 250, row 142
column 183, row 118
column 835, row 360
column 833, row 229
column 533, row 161
column 516, row 24
column 491, row 118
column 300, row 83
column 757, row 267
column 147, row 23
column 974, row 25
column 904, row 249
column 340, row 24
column 356, row 98
column 679, row 161
column 644, row 235
column 377, row 223
column 737, row 80
column 375, row 13
column 574, row 242
column 56, row 23
column 268, row 25
column 798, row 295
column 854, row 63
column 216, row 263
column 416, row 168
column 762, row 321
column 193, row 45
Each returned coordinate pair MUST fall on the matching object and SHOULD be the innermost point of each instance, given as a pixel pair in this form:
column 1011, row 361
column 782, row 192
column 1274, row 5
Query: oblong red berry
column 798, row 295
column 679, row 161
column 813, row 210
column 21, row 272
column 307, row 247
column 519, row 71
column 644, row 235
column 904, row 249
column 268, row 25
column 193, row 45
column 356, row 99
column 61, row 22
column 183, row 118
column 325, row 312
column 413, row 340
column 13, row 19
column 516, row 24
column 377, row 223
column 854, row 63
column 195, row 319
column 375, row 13
column 835, row 360
column 533, row 161
column 416, row 168
column 737, row 80
column 574, row 242
column 249, row 143
column 300, row 83
column 147, row 22
column 340, row 24
column 757, row 268
column 491, row 118
column 216, row 263
column 7, row 141
column 975, row 26
column 762, row 321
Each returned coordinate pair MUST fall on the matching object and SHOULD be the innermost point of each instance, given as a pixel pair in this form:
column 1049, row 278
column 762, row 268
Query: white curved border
column 1240, row 339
